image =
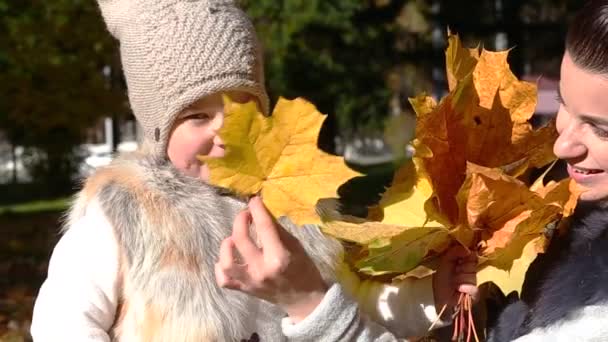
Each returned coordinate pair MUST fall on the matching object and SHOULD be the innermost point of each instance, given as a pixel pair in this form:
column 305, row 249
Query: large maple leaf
column 278, row 157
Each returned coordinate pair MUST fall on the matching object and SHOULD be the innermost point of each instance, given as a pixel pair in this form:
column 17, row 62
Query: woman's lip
column 586, row 170
column 581, row 175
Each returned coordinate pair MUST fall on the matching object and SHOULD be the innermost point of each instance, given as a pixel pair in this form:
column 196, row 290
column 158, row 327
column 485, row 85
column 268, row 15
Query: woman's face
column 582, row 123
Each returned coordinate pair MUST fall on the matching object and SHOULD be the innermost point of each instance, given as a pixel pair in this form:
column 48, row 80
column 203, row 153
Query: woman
column 568, row 300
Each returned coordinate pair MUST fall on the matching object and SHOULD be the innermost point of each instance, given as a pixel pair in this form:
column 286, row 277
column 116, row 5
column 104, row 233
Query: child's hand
column 456, row 274
column 279, row 271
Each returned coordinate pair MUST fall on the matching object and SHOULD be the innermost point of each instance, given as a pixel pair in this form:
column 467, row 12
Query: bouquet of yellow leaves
column 463, row 184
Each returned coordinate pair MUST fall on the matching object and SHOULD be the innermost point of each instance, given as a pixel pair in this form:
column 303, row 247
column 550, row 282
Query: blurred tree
column 354, row 57
column 51, row 83
column 536, row 28
column 335, row 53
column 358, row 60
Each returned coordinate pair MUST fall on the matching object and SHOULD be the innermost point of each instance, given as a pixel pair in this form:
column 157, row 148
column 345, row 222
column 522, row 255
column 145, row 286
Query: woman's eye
column 597, row 130
column 559, row 98
column 602, row 133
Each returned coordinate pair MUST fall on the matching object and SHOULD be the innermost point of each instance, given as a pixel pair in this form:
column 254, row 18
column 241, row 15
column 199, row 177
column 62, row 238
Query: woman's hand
column 457, row 273
column 279, row 271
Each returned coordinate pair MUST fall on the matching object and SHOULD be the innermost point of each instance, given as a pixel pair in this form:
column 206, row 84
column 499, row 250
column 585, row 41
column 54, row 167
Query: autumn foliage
column 466, row 183
column 467, row 179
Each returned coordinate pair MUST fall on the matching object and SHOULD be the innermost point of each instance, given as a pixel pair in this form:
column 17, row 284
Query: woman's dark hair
column 587, row 38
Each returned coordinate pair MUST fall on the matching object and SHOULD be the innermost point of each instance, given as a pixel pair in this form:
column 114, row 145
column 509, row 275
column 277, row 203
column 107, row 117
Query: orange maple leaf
column 483, row 120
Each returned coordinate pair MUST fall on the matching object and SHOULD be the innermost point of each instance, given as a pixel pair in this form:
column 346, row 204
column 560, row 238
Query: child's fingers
column 227, row 261
column 223, row 280
column 472, row 257
column 242, row 240
column 469, row 289
column 228, row 273
column 266, row 226
column 465, row 278
column 456, row 253
column 467, row 267
column 226, row 255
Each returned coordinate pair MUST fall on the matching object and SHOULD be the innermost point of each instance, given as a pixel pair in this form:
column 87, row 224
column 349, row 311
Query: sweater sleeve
column 368, row 311
column 78, row 300
column 336, row 318
column 406, row 308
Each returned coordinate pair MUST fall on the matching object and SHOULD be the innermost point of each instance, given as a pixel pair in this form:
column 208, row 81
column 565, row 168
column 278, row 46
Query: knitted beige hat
column 176, row 51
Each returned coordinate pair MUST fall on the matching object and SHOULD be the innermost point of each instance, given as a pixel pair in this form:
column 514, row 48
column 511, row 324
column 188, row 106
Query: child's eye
column 199, row 116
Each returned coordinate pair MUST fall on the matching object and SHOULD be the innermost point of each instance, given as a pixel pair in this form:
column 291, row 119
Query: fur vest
column 570, row 277
column 169, row 228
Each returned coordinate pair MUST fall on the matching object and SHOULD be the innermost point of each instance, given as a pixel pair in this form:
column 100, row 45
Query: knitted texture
column 174, row 52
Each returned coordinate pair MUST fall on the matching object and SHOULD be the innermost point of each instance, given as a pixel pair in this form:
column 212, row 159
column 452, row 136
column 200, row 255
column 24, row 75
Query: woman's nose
column 569, row 144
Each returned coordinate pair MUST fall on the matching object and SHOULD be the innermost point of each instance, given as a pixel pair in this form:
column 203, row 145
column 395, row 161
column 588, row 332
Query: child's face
column 195, row 132
column 582, row 123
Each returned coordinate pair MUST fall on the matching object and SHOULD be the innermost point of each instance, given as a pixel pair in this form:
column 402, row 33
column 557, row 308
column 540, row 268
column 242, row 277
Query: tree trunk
column 115, row 83
column 115, row 133
column 15, row 178
column 511, row 12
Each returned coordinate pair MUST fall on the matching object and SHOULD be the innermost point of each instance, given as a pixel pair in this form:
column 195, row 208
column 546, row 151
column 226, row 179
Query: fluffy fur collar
column 572, row 275
column 169, row 228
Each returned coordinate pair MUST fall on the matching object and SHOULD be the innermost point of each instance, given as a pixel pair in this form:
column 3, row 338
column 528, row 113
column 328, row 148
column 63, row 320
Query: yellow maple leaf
column 389, row 248
column 405, row 201
column 407, row 230
column 278, row 157
column 460, row 61
column 519, row 255
column 404, row 252
column 423, row 104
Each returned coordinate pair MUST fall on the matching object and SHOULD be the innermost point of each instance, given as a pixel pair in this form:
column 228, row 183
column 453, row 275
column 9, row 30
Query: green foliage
column 346, row 56
column 314, row 48
column 54, row 205
column 51, row 83
column 349, row 56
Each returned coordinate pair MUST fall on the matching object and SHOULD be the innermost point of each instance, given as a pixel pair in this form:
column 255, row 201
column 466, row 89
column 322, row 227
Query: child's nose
column 218, row 122
column 217, row 141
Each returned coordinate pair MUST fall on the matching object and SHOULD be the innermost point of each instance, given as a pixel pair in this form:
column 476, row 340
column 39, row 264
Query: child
column 137, row 261
column 565, row 297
